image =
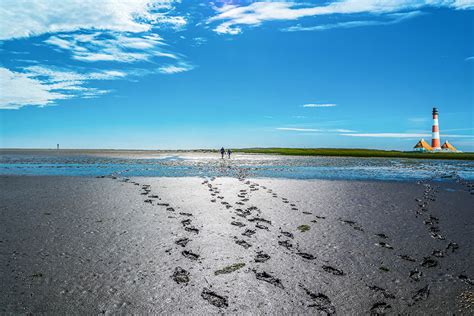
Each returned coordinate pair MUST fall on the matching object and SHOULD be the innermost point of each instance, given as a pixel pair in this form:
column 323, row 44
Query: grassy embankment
column 343, row 152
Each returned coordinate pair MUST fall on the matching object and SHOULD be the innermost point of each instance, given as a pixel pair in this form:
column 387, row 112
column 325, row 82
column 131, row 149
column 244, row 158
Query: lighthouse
column 435, row 130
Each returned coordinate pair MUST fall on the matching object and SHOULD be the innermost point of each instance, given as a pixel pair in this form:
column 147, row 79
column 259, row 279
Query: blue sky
column 155, row 74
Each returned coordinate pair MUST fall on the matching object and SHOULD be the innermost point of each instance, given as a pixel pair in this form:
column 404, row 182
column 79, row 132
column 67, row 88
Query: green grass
column 343, row 152
column 230, row 269
column 304, row 228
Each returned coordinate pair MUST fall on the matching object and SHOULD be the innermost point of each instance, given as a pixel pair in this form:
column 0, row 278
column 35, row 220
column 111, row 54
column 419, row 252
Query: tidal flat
column 237, row 244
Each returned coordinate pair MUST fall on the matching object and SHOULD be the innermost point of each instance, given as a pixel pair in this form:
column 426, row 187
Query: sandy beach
column 212, row 245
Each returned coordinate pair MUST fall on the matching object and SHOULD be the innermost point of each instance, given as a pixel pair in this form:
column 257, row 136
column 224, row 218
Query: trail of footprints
column 246, row 217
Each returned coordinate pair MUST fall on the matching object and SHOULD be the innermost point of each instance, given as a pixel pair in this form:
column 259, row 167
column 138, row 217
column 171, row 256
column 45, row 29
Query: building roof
column 423, row 144
column 447, row 145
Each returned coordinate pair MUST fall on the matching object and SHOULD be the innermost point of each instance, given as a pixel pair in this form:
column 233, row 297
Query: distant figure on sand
column 229, row 152
column 222, row 152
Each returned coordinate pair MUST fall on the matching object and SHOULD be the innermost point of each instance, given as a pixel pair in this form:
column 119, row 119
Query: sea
column 208, row 164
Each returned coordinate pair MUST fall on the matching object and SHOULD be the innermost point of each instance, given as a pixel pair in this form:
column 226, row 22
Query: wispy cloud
column 173, row 69
column 232, row 17
column 469, row 58
column 319, row 105
column 418, row 119
column 393, row 18
column 297, row 129
column 403, row 135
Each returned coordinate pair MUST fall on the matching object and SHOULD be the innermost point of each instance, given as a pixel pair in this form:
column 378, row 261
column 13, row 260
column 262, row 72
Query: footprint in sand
column 380, row 308
column 238, row 224
column 321, row 302
column 243, row 243
column 214, row 299
column 261, row 257
column 305, row 255
column 382, row 291
column 259, row 226
column 182, row 241
column 429, row 262
column 333, row 270
column 286, row 243
column 264, row 276
column 190, row 255
column 415, row 275
column 248, row 232
column 191, row 229
column 180, row 275
column 421, row 295
column 287, row 234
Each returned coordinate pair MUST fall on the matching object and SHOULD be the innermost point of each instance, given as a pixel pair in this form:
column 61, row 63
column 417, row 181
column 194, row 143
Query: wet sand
column 227, row 245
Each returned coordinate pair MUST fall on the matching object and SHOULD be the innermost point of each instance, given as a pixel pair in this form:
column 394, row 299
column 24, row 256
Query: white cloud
column 231, row 17
column 19, row 89
column 469, row 58
column 99, row 46
column 24, row 18
column 41, row 86
column 404, row 135
column 319, row 105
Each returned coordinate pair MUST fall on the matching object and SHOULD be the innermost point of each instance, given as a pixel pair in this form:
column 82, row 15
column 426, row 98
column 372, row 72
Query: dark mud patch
column 170, row 209
column 383, row 236
column 264, row 276
column 182, row 241
column 185, row 214
column 190, row 255
column 243, row 243
column 321, row 302
column 333, row 270
column 180, row 275
column 262, row 257
column 230, row 269
column 214, row 299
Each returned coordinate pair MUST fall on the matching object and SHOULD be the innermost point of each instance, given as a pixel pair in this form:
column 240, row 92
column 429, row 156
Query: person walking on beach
column 229, row 152
column 222, row 152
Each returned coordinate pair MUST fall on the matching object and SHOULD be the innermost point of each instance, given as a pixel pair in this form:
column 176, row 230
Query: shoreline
column 288, row 152
column 188, row 245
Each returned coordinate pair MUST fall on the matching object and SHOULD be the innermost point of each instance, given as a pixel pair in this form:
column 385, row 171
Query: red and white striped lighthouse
column 435, row 130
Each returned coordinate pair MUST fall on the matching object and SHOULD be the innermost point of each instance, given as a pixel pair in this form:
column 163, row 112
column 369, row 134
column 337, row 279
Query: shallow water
column 185, row 164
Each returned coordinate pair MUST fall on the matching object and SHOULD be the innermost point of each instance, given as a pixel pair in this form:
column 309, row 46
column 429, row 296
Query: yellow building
column 422, row 146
